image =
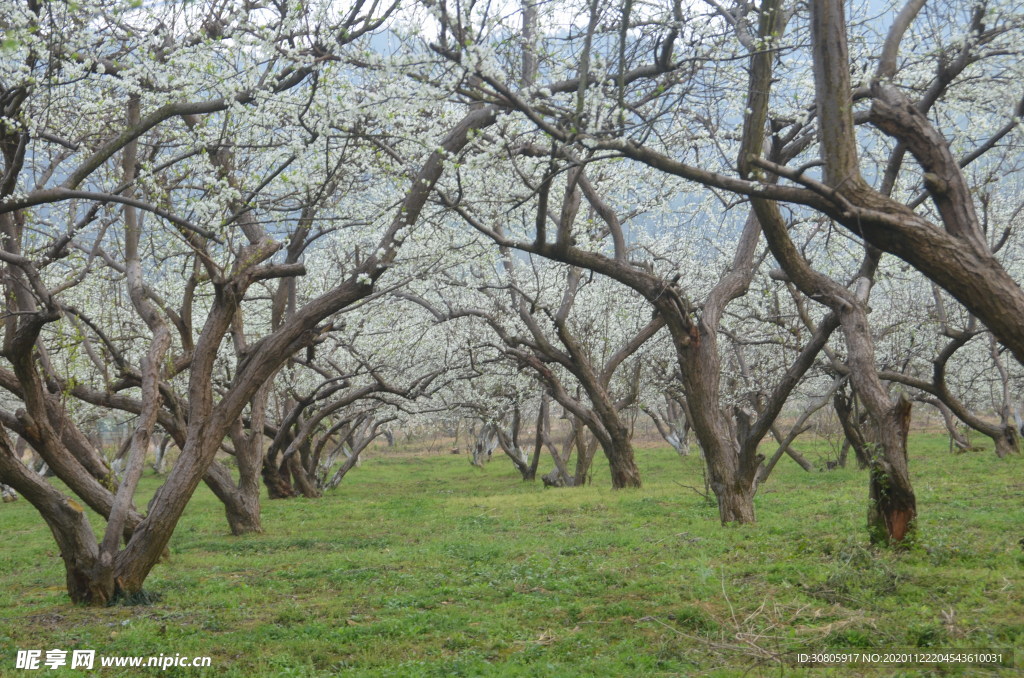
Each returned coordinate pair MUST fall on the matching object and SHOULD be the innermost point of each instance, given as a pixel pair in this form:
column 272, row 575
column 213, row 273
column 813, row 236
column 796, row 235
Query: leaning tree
column 549, row 149
column 109, row 122
column 653, row 85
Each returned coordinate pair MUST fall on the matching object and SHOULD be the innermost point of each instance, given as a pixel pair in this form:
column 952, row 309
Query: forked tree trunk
column 70, row 527
column 602, row 418
column 673, row 425
column 302, row 481
column 519, row 460
column 349, row 463
column 1007, row 442
column 731, row 476
column 278, row 485
column 892, row 507
column 484, row 445
column 208, row 421
column 624, row 473
column 611, row 433
column 513, row 450
column 621, row 463
column 242, row 508
column 244, row 516
column 559, row 476
column 355, row 441
column 242, row 499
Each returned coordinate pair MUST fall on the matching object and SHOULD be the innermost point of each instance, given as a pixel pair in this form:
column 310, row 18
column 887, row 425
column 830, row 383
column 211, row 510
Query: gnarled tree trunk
column 892, row 504
column 242, row 508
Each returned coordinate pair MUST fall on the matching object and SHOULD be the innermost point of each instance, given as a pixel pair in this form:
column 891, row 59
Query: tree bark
column 343, row 470
column 892, row 510
column 87, row 582
column 560, row 476
column 618, row 450
column 278, row 485
column 735, row 502
column 673, row 426
column 305, row 485
column 893, row 506
column 543, row 412
column 586, row 448
column 242, row 509
column 851, row 426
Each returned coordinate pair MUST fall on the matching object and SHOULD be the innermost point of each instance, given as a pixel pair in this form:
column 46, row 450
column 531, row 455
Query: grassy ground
column 425, row 566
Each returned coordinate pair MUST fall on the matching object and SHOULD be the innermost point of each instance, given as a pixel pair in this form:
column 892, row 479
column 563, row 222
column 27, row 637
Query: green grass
column 425, row 566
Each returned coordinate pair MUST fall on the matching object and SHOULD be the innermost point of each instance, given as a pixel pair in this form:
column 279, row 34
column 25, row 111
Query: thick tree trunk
column 244, row 516
column 730, row 476
column 730, row 480
column 242, row 508
column 733, row 490
column 892, row 507
column 624, row 473
column 242, row 499
column 278, row 485
column 87, row 582
column 612, row 435
column 243, row 513
column 621, row 463
column 300, row 478
column 735, row 503
column 1007, row 443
